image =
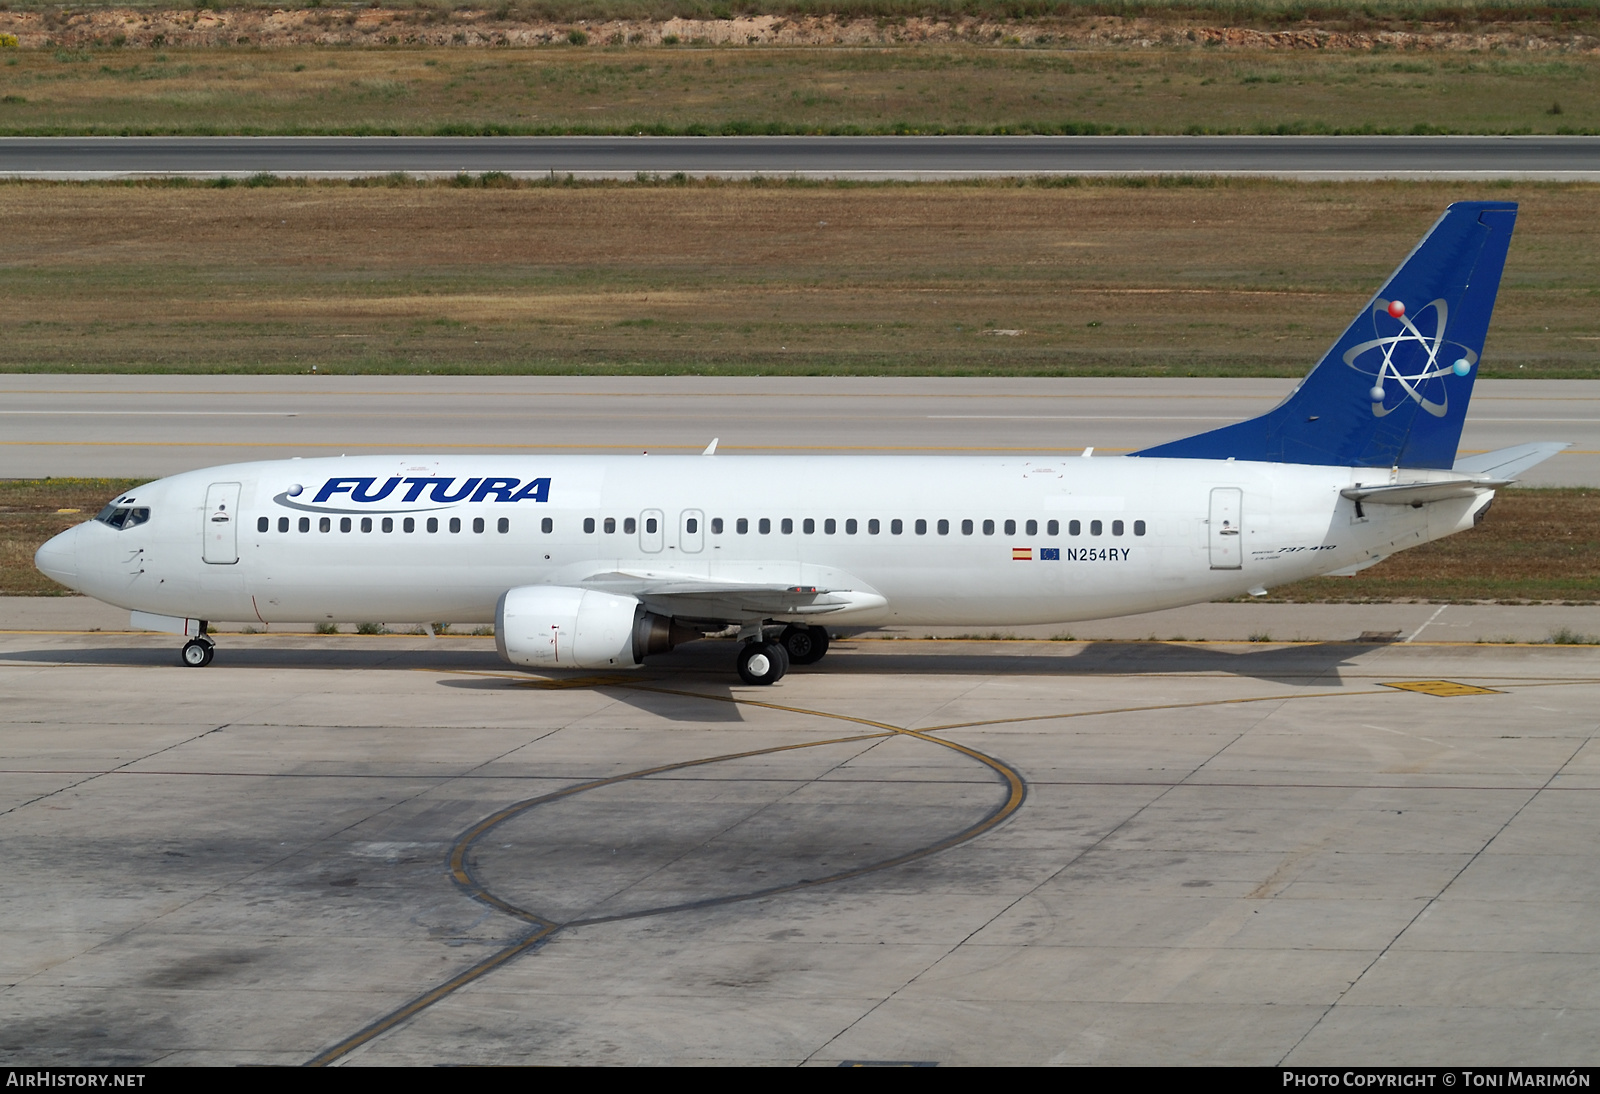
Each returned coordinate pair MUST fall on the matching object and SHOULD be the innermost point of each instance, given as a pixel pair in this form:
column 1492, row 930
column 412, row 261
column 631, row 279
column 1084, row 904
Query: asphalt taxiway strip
column 936, row 157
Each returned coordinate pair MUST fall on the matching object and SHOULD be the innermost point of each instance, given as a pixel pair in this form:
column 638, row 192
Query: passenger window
column 1053, row 528
column 872, row 526
column 326, row 524
column 546, row 525
column 1138, row 527
column 366, row 524
column 829, row 527
column 1075, row 527
column 787, row 527
column 455, row 524
column 283, row 524
column 691, row 526
column 305, row 524
column 765, row 526
column 477, row 524
column 809, row 527
column 344, row 524
column 1116, row 527
column 588, row 524
column 988, row 527
column 896, row 526
column 504, row 525
column 1095, row 528
column 966, row 527
column 610, row 525
column 742, row 526
column 1033, row 527
column 922, row 527
column 433, row 524
column 1011, row 527
column 388, row 524
column 629, row 525
column 716, row 526
column 409, row 525
column 650, row 525
column 944, row 528
column 849, row 526
column 263, row 523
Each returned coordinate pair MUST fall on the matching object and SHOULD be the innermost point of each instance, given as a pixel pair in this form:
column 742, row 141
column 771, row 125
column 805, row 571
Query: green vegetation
column 922, row 89
column 1057, row 277
column 1361, row 13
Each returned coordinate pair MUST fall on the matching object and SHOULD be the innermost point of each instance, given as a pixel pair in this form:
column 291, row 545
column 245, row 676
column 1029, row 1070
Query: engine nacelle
column 556, row 627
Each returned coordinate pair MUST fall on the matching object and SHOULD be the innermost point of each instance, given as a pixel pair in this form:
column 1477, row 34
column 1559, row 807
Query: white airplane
column 599, row 562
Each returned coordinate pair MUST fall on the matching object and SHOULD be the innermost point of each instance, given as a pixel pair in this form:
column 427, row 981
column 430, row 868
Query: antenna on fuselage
column 711, row 449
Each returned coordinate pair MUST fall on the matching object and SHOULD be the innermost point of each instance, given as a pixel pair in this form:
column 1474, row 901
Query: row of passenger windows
column 407, row 524
column 741, row 526
column 830, row 526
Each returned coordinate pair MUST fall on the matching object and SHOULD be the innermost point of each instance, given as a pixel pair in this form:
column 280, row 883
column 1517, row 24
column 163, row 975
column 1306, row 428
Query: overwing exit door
column 1227, row 539
column 222, row 524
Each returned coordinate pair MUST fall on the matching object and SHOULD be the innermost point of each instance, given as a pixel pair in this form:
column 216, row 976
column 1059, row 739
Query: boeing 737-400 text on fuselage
column 599, row 562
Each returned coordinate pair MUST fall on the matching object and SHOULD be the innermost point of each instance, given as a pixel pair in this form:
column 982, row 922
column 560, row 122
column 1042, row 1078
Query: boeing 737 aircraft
column 600, row 562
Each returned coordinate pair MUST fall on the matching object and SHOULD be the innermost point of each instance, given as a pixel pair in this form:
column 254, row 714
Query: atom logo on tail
column 1409, row 357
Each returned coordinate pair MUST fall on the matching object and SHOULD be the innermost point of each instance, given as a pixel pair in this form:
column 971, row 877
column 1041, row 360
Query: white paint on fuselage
column 1294, row 523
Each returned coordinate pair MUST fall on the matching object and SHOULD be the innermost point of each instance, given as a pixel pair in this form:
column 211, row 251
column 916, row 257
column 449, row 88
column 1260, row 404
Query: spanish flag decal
column 1022, row 554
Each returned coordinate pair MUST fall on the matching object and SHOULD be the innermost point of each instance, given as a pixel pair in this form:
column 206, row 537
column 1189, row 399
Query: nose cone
column 58, row 559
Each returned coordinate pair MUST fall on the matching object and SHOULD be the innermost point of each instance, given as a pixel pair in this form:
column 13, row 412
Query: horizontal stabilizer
column 1419, row 493
column 1508, row 463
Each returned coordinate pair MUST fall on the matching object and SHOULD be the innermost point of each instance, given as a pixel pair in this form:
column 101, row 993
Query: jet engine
column 555, row 627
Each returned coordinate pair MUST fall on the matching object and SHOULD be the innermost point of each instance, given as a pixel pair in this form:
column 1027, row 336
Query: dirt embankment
column 379, row 27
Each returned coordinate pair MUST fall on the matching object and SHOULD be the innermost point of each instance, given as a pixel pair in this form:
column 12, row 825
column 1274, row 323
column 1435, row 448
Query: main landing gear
column 197, row 652
column 764, row 662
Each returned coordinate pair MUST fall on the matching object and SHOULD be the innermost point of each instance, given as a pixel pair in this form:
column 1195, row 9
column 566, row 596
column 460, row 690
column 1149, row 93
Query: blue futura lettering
column 438, row 489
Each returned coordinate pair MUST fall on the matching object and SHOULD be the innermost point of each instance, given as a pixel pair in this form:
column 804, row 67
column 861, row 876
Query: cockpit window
column 123, row 517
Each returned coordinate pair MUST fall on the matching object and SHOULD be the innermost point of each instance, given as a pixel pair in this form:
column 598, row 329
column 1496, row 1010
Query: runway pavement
column 391, row 850
column 1468, row 157
column 54, row 425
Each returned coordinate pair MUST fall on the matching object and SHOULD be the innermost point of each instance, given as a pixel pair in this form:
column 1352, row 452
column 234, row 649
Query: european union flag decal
column 1049, row 554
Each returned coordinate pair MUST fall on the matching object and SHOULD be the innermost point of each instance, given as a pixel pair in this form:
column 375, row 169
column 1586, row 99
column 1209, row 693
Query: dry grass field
column 1536, row 545
column 933, row 88
column 1031, row 278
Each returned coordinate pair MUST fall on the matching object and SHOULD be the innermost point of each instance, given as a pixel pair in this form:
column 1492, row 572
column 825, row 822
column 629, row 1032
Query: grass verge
column 1042, row 277
column 926, row 88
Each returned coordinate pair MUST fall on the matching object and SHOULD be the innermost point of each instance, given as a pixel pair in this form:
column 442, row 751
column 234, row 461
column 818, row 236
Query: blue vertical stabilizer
column 1393, row 390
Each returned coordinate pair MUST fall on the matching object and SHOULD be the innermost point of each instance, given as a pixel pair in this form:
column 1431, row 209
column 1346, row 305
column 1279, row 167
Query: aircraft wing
column 688, row 596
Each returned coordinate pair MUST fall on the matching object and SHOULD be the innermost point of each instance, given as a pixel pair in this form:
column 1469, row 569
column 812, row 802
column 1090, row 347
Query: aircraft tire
column 198, row 654
column 804, row 645
column 763, row 662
